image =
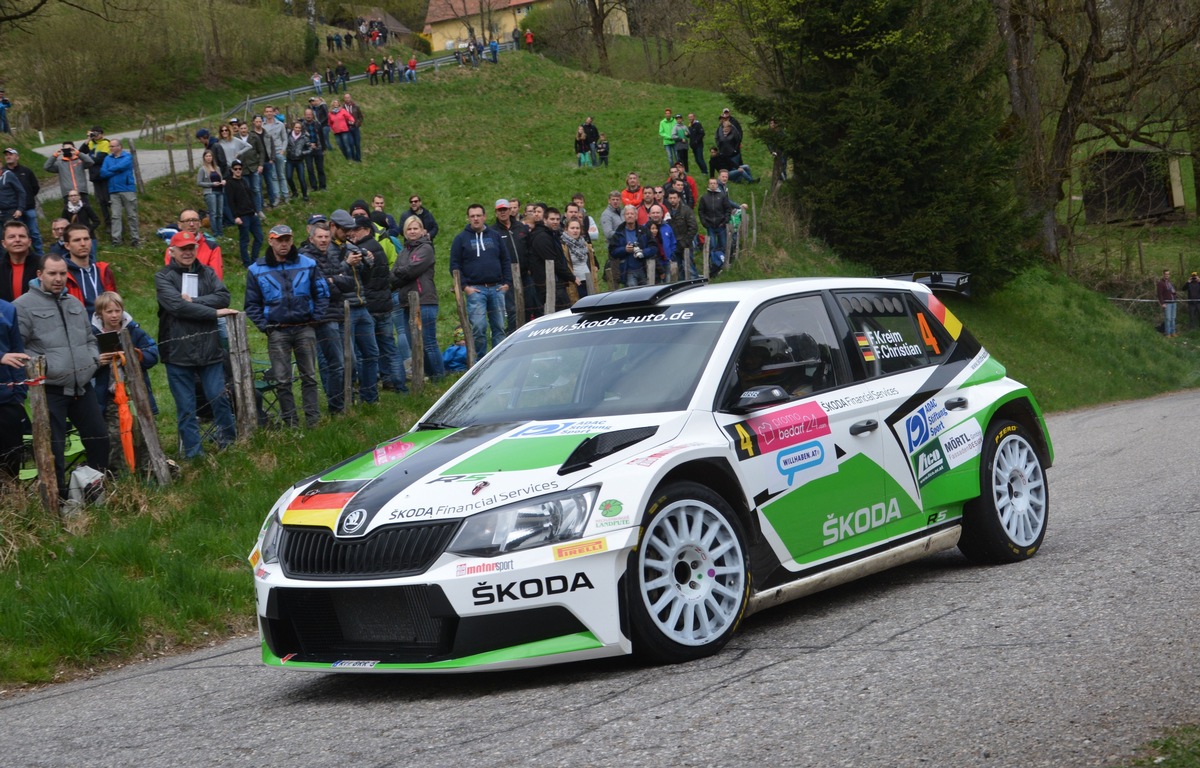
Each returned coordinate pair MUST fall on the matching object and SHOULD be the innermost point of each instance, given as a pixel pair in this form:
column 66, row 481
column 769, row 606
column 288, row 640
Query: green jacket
column 666, row 130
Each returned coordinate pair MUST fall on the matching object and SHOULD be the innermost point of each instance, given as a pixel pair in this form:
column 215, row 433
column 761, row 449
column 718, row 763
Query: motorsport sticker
column 391, row 452
column 475, row 569
column 930, row 462
column 582, row 427
column 801, row 457
column 924, row 424
column 579, row 549
column 778, row 430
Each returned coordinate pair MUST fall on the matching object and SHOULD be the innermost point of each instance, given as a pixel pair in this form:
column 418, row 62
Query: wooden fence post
column 550, row 288
column 707, row 245
column 754, row 217
column 347, row 356
column 651, row 268
column 463, row 320
column 518, row 289
column 43, row 453
column 416, row 333
column 171, row 161
column 145, row 414
column 137, row 170
column 243, row 375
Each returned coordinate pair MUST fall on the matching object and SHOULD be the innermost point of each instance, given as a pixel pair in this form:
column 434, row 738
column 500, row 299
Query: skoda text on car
column 640, row 473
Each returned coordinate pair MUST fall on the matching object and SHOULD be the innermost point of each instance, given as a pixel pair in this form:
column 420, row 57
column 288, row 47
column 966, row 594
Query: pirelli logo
column 567, row 551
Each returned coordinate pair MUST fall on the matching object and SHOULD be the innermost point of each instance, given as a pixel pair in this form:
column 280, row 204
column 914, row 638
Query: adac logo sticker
column 584, row 427
column 924, row 424
column 799, row 458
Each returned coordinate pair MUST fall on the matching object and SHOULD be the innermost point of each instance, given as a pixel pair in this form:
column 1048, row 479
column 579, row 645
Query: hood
column 98, row 324
column 75, row 268
column 37, row 283
column 445, row 474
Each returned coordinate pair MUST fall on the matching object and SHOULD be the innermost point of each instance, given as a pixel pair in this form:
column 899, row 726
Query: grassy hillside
column 160, row 569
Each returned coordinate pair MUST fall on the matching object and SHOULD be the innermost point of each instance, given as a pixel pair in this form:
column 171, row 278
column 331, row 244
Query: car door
column 812, row 458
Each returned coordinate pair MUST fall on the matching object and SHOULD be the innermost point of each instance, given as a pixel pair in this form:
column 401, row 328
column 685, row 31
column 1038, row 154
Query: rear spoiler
column 958, row 282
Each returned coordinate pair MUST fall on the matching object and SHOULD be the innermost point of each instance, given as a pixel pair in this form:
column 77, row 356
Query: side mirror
column 763, row 396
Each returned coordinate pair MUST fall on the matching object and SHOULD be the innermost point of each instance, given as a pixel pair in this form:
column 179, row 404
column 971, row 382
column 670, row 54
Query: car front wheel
column 690, row 576
column 1008, row 521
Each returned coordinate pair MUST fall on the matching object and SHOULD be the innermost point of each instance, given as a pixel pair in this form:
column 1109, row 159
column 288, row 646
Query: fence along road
column 1074, row 657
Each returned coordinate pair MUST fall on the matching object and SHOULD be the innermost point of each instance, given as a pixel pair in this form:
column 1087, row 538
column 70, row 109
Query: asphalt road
column 1070, row 659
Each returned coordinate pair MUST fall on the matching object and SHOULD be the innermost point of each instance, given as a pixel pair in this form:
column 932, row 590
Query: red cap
column 184, row 239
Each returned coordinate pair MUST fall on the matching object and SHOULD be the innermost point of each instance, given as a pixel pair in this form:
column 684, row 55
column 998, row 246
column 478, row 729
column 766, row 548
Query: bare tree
column 17, row 13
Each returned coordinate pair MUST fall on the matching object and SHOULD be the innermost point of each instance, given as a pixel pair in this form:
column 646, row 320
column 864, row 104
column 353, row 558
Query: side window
column 791, row 344
column 891, row 332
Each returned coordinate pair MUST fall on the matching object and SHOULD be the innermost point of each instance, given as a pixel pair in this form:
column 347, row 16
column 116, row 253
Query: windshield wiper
column 424, row 425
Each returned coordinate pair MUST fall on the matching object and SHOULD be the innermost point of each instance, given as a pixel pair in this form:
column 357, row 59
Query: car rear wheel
column 1008, row 521
column 690, row 576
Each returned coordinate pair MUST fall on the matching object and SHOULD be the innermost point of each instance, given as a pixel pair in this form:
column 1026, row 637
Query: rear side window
column 891, row 332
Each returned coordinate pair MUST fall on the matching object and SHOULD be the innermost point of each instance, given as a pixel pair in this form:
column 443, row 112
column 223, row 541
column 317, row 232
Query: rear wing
column 958, row 282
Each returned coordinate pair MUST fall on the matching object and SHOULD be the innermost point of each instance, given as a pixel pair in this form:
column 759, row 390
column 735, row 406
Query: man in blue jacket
column 122, row 191
column 13, row 421
column 286, row 296
column 485, row 271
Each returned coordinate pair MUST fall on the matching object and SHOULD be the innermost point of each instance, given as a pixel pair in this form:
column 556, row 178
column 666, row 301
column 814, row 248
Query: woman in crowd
column 77, row 211
column 212, row 184
column 581, row 258
column 583, row 148
column 414, row 271
column 298, row 147
column 340, row 122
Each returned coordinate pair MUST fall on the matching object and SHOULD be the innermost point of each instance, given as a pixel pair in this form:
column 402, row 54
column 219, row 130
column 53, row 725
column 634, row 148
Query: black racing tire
column 690, row 575
column 1007, row 522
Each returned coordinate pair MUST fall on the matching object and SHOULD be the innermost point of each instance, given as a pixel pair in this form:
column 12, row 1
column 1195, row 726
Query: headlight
column 534, row 523
column 270, row 544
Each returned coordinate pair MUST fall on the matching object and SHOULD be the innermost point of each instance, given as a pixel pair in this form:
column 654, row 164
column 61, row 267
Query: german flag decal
column 864, row 346
column 944, row 316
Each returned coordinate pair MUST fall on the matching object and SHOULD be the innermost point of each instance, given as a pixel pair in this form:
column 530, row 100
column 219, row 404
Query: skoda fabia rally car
column 640, row 473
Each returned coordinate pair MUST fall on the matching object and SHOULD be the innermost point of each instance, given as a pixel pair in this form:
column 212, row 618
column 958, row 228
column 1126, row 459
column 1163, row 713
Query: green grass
column 160, row 569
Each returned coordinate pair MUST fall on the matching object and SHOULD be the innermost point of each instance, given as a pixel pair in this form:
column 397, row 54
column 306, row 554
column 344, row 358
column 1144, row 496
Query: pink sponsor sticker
column 790, row 426
column 391, row 452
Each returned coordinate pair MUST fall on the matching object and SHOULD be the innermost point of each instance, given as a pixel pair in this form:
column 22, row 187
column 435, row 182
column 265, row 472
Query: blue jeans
column 215, row 202
column 330, row 362
column 255, row 184
column 485, row 306
column 385, row 339
column 698, row 153
column 716, row 244
column 325, row 142
column 182, row 381
column 250, row 226
column 410, row 75
column 272, row 182
column 356, row 139
column 741, row 173
column 403, row 345
column 296, row 168
column 35, row 234
column 1169, row 310
column 434, row 368
column 670, row 148
column 346, row 144
column 299, row 342
column 280, row 168
column 366, row 354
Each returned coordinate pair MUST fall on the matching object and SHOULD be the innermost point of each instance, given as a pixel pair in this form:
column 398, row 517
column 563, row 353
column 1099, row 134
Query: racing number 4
column 746, row 440
column 927, row 334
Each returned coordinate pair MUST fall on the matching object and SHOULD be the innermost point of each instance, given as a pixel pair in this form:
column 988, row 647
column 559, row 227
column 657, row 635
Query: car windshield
column 634, row 361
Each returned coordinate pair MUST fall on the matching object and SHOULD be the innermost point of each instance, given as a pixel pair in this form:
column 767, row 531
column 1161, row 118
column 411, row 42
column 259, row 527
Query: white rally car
column 640, row 473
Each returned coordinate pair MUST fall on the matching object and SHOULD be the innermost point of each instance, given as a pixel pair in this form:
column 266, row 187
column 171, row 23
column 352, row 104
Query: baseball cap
column 234, row 121
column 501, row 203
column 236, row 164
column 184, row 240
column 360, row 203
column 362, row 222
column 280, row 230
column 202, row 133
column 316, row 218
column 340, row 218
column 10, row 151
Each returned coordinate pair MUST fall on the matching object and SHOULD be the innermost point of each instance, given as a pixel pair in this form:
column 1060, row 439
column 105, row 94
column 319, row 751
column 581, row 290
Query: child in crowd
column 455, row 356
column 583, row 150
column 602, row 151
column 111, row 316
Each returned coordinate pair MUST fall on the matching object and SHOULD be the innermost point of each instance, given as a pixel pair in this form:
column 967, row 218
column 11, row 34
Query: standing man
column 12, row 161
column 627, row 248
column 86, row 277
column 253, row 160
column 54, row 324
column 241, row 202
column 696, row 141
column 1192, row 289
column 12, row 194
column 316, row 158
column 545, row 247
column 320, row 248
column 666, row 132
column 611, row 220
column 321, row 111
column 486, row 274
column 416, row 209
column 286, row 296
column 592, row 134
column 633, row 192
column 382, row 217
column 685, row 227
column 18, row 265
column 714, row 210
column 208, row 251
column 355, row 127
column 366, row 282
column 189, row 343
column 277, row 188
column 122, row 192
column 97, row 147
column 14, row 422
column 71, row 167
column 514, row 237
column 1166, row 300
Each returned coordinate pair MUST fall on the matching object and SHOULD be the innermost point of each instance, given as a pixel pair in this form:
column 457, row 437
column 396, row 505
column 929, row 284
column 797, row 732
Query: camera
column 638, row 254
column 66, row 152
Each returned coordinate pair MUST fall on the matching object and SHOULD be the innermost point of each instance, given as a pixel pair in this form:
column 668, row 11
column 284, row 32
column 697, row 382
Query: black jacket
column 187, row 330
column 369, row 283
column 237, row 191
column 29, row 271
column 330, row 264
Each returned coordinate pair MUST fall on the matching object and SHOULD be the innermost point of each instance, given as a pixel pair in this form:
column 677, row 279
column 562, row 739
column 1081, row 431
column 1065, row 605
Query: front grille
column 402, row 550
column 393, row 624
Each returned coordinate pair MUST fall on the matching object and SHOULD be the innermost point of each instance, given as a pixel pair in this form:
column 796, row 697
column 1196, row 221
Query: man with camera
column 629, row 247
column 366, row 282
column 71, row 167
column 97, row 148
